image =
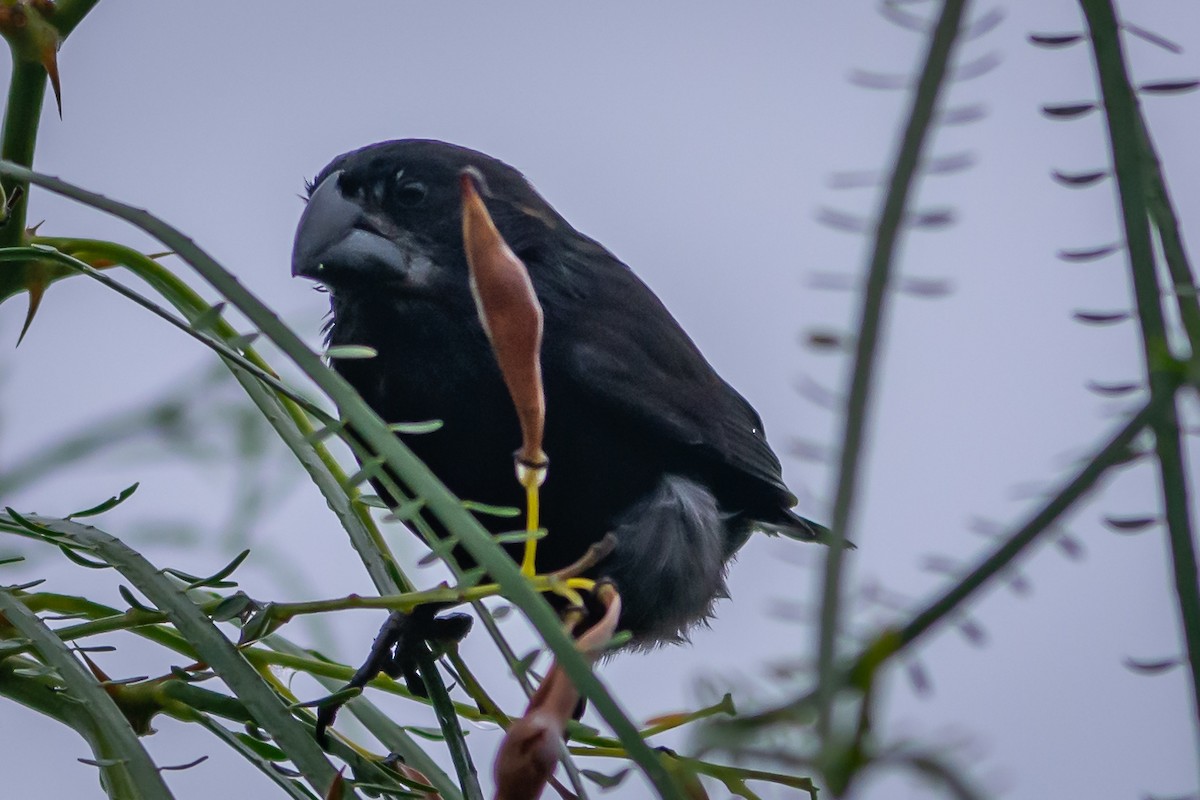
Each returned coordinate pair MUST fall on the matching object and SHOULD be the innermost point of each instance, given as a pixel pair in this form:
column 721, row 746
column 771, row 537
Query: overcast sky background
column 696, row 141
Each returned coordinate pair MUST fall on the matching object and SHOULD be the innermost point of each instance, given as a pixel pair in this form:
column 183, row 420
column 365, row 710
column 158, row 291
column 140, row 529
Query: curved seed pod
column 529, row 753
column 512, row 317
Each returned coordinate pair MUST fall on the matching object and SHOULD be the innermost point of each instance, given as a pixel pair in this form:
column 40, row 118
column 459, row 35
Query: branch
column 1128, row 141
column 871, row 321
column 26, row 93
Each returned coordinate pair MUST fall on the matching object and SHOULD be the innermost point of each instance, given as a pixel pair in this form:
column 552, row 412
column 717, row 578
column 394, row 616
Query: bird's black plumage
column 645, row 440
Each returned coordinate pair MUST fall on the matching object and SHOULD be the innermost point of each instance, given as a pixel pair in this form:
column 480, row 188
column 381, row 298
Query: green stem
column 280, row 653
column 23, row 112
column 456, row 743
column 26, row 93
column 106, row 619
column 1162, row 214
column 1127, row 141
column 725, row 706
column 871, row 320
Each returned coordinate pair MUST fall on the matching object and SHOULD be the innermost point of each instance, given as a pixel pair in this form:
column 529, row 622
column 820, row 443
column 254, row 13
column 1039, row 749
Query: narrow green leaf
column 1079, row 256
column 217, row 579
column 431, row 734
column 519, row 536
column 490, row 510
column 1055, row 39
column 133, row 601
column 826, row 340
column 369, row 788
column 30, row 526
column 108, row 504
column 264, row 749
column 1112, row 389
column 11, row 560
column 81, row 561
column 186, row 577
column 1153, row 38
column 1152, row 667
column 119, row 681
column 428, row 426
column 1068, row 110
column 371, row 501
column 1129, row 524
column 1101, row 317
column 1079, row 179
column 237, row 605
column 24, row 587
column 619, row 640
column 1169, row 87
column 348, row 352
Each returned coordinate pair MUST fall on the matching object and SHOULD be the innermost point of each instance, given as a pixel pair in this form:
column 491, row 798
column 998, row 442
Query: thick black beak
column 335, row 240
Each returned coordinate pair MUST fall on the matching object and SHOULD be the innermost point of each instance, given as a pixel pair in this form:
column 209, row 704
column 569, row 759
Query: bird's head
column 388, row 216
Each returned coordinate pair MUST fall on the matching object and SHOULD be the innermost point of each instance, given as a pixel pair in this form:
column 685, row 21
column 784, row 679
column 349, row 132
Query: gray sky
column 696, row 142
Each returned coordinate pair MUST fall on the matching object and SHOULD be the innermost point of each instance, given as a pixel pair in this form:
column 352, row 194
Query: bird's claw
column 394, row 653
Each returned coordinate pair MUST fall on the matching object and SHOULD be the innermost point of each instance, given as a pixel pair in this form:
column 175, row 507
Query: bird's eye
column 411, row 194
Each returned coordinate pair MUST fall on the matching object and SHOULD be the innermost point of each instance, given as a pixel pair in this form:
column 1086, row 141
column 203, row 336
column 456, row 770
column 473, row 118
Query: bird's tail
column 797, row 527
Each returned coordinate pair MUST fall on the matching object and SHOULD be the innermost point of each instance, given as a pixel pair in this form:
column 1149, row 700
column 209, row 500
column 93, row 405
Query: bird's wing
column 630, row 354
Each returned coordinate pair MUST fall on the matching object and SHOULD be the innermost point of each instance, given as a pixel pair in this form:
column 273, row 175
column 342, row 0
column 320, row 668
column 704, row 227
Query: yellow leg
column 529, row 562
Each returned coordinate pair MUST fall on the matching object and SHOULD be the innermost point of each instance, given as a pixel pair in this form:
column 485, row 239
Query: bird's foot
column 394, row 653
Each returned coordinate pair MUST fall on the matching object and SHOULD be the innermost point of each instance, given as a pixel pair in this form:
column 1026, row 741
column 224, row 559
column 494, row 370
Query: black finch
column 645, row 440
